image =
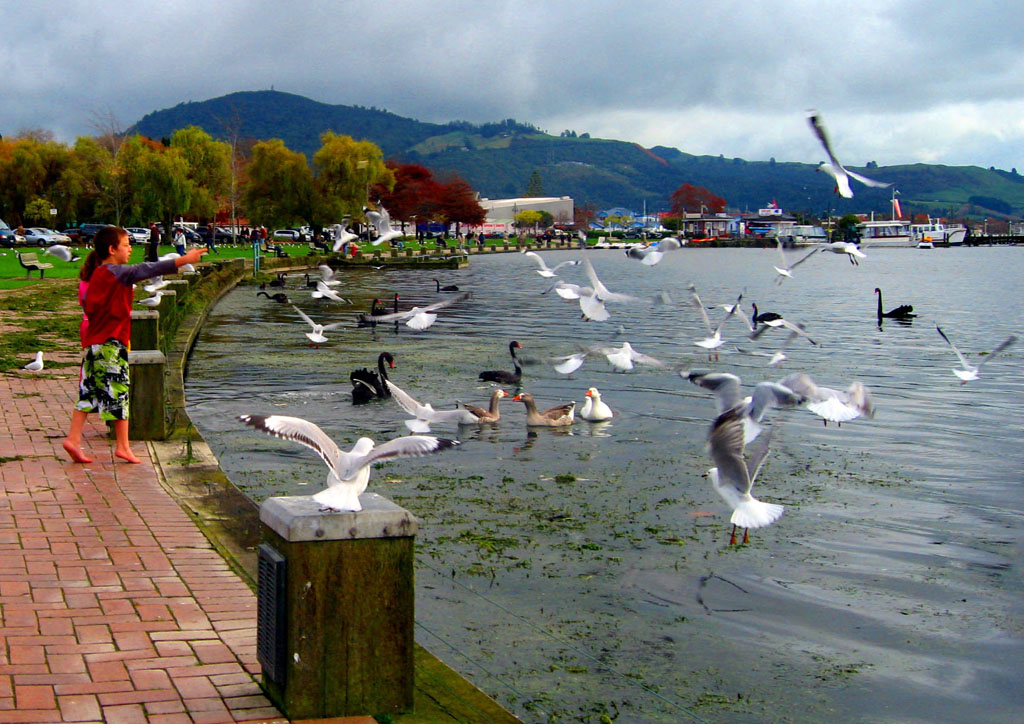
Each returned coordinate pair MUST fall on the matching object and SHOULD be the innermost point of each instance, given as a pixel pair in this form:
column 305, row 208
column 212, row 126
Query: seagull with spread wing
column 418, row 318
column 969, row 371
column 348, row 472
column 544, row 270
column 835, row 169
column 317, row 335
column 381, row 221
column 733, row 475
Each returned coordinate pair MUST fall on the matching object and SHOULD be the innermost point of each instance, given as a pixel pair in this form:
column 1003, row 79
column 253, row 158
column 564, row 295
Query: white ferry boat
column 804, row 235
column 885, row 233
column 939, row 233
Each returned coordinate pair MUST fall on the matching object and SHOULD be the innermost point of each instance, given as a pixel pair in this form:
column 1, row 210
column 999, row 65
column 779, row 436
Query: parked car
column 41, row 236
column 137, row 234
column 287, row 235
column 83, row 234
column 220, row 234
column 8, row 237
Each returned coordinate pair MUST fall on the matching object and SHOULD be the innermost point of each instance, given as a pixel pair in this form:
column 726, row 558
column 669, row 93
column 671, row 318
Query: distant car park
column 40, row 236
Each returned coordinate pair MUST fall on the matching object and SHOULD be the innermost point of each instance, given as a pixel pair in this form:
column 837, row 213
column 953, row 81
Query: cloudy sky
column 900, row 81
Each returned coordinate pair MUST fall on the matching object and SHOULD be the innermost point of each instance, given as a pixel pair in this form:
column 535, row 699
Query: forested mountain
column 499, row 158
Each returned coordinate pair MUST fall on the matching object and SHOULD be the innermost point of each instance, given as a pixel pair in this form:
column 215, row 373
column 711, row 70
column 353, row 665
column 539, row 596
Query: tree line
column 133, row 180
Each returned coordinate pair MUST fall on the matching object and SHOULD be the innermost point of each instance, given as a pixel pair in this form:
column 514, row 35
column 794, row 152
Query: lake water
column 577, row 572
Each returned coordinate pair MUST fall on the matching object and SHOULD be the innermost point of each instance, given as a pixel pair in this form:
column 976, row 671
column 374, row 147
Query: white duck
column 594, row 409
column 969, row 371
column 349, row 472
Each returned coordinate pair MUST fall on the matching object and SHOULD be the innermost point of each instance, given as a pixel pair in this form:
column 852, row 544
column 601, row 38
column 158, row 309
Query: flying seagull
column 733, row 476
column 349, row 472
column 418, row 318
column 969, row 371
column 545, row 270
column 317, row 335
column 835, row 169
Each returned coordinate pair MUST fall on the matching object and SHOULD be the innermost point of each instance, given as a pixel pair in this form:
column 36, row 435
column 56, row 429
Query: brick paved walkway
column 113, row 605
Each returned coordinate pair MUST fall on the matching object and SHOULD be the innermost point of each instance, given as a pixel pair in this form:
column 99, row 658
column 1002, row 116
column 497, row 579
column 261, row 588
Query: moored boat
column 939, row 233
column 884, row 233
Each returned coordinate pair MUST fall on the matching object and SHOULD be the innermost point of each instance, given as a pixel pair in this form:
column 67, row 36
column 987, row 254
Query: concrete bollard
column 147, row 400
column 336, row 602
column 145, row 329
column 167, row 301
column 178, row 286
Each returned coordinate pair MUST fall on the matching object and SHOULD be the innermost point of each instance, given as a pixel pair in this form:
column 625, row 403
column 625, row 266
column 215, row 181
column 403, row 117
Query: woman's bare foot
column 127, row 455
column 76, row 452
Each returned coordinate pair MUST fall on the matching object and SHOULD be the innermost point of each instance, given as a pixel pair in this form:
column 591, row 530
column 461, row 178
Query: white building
column 501, row 213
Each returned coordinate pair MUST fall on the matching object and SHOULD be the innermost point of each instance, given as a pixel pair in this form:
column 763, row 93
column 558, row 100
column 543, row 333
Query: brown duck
column 555, row 417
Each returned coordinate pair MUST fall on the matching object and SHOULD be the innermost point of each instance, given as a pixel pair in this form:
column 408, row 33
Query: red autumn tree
column 459, row 205
column 416, row 194
column 688, row 199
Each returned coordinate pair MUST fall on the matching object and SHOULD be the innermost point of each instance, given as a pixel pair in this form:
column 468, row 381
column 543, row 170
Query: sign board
column 53, row 212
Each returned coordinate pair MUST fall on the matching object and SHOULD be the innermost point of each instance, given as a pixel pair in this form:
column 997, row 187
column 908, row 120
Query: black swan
column 376, row 310
column 764, row 316
column 507, row 378
column 279, row 297
column 279, row 282
column 369, row 385
column 449, row 288
column 904, row 311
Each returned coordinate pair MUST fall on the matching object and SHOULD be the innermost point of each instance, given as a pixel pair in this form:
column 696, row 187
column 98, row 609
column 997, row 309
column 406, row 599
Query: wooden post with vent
column 348, row 599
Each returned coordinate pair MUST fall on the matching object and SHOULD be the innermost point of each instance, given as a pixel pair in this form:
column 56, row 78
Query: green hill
column 498, row 159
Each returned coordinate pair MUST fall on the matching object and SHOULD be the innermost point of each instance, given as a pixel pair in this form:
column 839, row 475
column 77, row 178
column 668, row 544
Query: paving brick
column 79, row 707
column 34, row 697
column 124, row 714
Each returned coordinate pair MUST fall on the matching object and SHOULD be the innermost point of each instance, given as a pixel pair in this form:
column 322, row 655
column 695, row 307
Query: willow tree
column 209, row 169
column 159, row 177
column 346, row 169
column 280, row 189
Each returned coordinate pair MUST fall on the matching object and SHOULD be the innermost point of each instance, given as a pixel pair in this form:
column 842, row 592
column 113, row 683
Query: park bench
column 276, row 249
column 31, row 263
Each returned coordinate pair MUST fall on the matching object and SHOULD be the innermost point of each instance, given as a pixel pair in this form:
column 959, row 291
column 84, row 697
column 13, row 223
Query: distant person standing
column 179, row 241
column 153, row 250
